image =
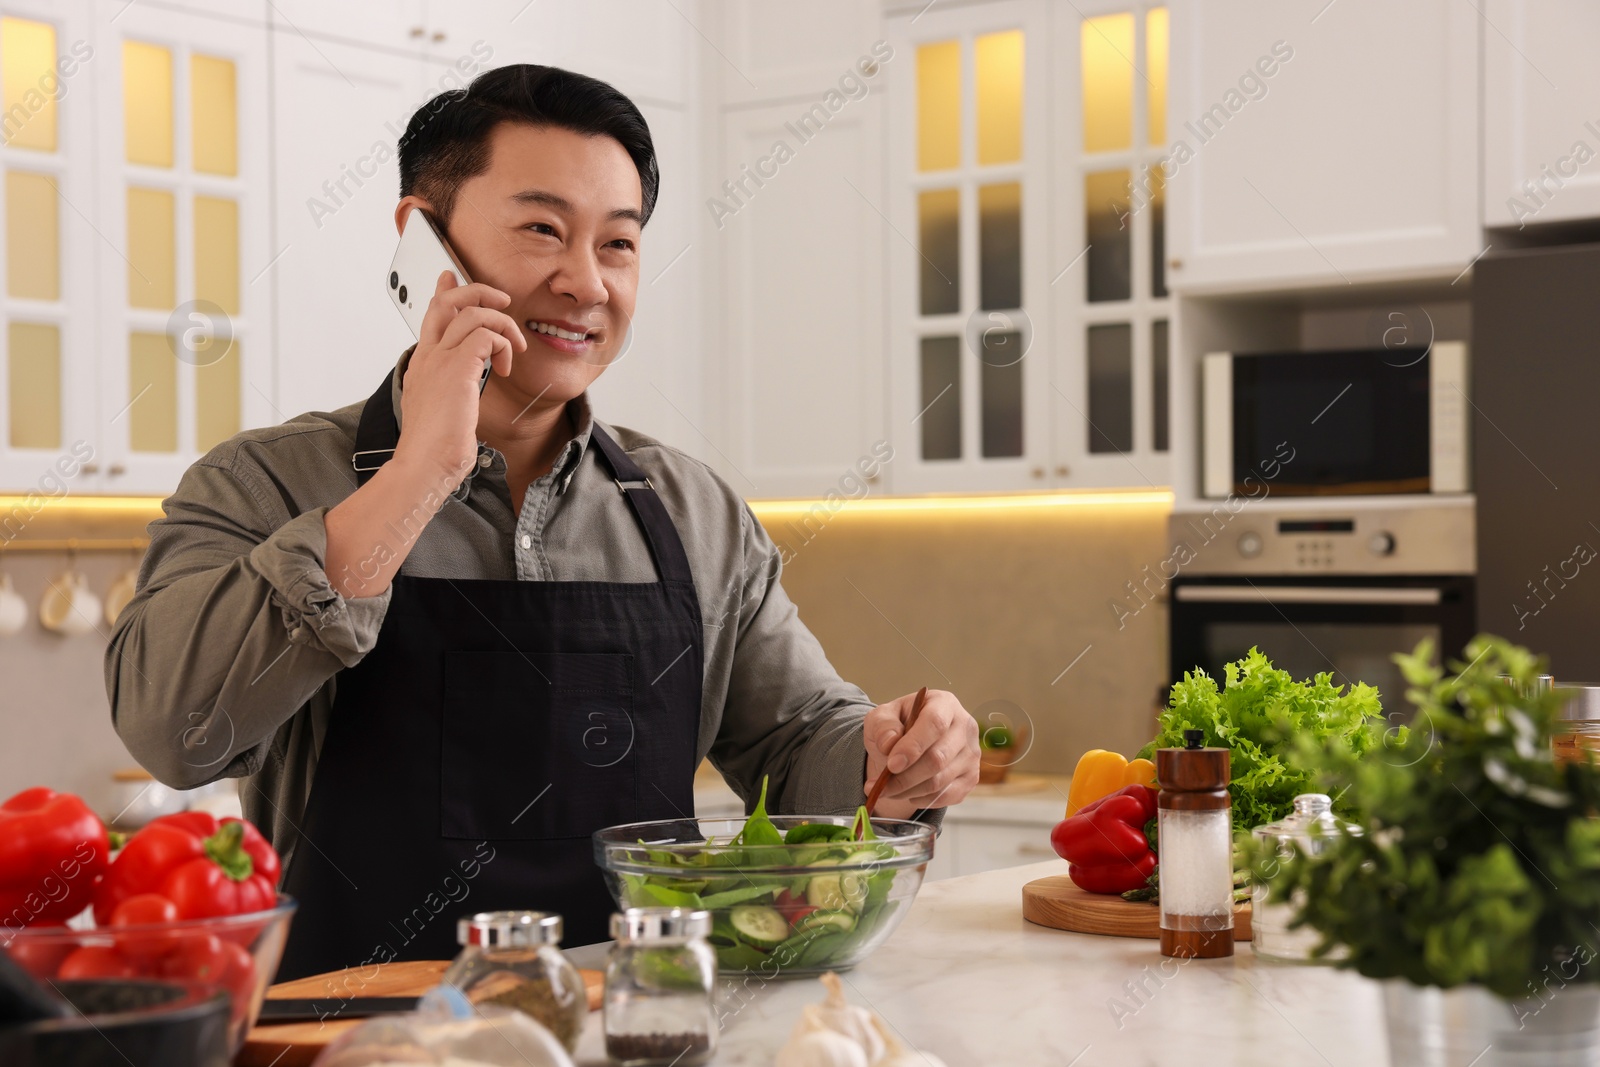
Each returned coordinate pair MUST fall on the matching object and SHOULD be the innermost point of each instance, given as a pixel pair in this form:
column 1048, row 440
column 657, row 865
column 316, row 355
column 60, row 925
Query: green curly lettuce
column 1258, row 715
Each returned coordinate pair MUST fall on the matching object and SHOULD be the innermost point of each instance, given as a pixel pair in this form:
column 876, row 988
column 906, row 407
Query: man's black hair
column 447, row 140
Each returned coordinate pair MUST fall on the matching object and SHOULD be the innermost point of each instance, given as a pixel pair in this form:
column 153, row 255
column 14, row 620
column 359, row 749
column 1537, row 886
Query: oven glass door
column 1348, row 627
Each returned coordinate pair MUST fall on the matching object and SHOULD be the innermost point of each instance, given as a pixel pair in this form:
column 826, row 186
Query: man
column 447, row 636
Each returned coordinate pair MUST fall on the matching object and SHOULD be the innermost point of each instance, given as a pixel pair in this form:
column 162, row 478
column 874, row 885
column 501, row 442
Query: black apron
column 492, row 729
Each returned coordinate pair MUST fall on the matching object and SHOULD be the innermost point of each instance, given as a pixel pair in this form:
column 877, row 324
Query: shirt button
column 484, row 459
column 527, row 542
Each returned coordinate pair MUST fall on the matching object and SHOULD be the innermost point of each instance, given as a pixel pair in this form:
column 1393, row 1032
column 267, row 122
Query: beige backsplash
column 992, row 605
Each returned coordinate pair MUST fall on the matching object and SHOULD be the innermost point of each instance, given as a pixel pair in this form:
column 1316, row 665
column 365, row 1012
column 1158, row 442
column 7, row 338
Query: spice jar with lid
column 1312, row 827
column 511, row 958
column 1195, row 829
column 1577, row 726
column 660, row 988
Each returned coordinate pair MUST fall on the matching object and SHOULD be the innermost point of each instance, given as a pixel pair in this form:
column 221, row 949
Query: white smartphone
column 423, row 255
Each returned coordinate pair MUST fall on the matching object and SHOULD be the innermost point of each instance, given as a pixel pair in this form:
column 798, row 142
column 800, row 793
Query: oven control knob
column 1381, row 543
column 1250, row 544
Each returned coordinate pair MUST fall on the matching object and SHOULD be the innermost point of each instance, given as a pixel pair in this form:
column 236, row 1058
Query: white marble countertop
column 966, row 978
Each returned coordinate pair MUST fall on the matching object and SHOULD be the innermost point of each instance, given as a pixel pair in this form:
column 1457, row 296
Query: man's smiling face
column 554, row 222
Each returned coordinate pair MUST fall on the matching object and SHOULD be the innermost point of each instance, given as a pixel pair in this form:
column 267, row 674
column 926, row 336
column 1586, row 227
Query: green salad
column 822, row 911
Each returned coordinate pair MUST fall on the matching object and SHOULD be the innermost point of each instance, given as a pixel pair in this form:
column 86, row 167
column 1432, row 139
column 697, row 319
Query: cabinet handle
column 1037, row 472
column 117, row 468
column 417, row 32
column 1035, row 850
column 872, row 479
column 1062, row 470
column 1175, row 264
column 90, row 468
column 438, row 36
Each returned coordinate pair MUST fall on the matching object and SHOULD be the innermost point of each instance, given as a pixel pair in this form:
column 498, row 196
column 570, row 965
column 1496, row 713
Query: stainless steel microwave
column 1357, row 421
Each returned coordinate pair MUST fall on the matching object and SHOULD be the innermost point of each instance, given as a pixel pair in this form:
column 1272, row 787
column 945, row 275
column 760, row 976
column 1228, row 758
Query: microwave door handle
column 1306, row 594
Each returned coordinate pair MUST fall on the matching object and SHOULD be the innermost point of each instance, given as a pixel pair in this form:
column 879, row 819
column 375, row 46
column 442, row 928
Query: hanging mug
column 68, row 606
column 120, row 592
column 13, row 609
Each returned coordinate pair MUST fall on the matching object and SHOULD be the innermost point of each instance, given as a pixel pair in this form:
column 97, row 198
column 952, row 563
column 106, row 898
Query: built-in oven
column 1321, row 589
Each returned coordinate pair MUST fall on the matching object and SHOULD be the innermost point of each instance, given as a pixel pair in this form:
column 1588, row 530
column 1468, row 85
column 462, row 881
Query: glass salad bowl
column 796, row 895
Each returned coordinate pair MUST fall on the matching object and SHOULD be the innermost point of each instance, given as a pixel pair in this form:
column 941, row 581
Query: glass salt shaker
column 660, row 988
column 511, row 958
column 1311, row 827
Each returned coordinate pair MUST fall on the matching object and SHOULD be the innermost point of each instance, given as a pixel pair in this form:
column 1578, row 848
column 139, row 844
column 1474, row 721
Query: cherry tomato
column 143, row 909
column 97, row 961
column 216, row 964
column 41, row 956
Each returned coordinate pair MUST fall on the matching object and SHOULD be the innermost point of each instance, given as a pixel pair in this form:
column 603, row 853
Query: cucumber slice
column 826, row 921
column 837, row 892
column 759, row 926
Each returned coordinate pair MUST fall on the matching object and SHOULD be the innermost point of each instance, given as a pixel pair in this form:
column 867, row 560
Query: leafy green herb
column 809, row 832
column 1478, row 858
column 1257, row 715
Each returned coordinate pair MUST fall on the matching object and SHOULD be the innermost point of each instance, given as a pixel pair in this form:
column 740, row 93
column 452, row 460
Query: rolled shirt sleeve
column 233, row 628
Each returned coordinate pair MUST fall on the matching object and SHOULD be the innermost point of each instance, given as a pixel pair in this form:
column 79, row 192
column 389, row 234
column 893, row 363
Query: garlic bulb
column 896, row 1054
column 821, row 1048
column 838, row 1015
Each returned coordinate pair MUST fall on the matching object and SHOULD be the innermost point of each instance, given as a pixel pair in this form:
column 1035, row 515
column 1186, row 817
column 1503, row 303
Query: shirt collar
column 566, row 465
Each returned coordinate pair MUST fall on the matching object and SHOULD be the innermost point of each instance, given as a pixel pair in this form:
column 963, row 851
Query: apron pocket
column 536, row 746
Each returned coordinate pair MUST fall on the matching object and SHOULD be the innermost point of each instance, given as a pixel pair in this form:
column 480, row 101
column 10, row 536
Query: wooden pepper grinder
column 1196, row 848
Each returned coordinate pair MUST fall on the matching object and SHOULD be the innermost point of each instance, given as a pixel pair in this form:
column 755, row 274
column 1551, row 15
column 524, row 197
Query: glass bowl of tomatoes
column 235, row 954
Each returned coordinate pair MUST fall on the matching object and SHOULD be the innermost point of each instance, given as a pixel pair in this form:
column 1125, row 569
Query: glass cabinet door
column 187, row 284
column 967, row 159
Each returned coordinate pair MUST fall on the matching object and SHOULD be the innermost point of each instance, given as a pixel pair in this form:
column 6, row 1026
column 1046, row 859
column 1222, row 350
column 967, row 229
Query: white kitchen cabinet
column 765, row 52
column 339, row 112
column 972, row 846
column 797, row 228
column 1320, row 144
column 1541, row 132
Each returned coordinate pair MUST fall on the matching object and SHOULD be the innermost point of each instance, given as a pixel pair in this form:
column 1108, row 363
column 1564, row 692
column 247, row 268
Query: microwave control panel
column 1433, row 538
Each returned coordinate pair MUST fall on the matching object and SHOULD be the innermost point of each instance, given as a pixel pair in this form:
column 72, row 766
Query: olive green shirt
column 227, row 660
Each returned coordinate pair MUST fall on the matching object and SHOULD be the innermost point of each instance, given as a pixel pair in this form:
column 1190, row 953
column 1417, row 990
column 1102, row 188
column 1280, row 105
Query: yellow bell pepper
column 1101, row 772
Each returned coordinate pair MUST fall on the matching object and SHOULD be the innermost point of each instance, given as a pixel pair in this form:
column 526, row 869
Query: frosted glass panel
column 1160, row 374
column 147, row 103
column 1105, row 203
column 214, row 119
column 153, row 390
column 216, row 400
column 1000, row 246
column 1111, row 388
column 939, row 106
column 1156, row 33
column 33, row 356
column 152, row 249
column 33, row 237
column 216, row 252
column 938, row 226
column 30, row 83
column 941, row 398
column 1000, row 379
column 1107, row 48
column 998, row 61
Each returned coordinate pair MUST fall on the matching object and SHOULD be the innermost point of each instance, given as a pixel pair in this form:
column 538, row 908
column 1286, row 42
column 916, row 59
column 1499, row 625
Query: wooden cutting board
column 297, row 1044
column 1057, row 903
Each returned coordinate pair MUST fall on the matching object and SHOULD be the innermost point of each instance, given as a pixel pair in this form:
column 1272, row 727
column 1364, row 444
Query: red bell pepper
column 1105, row 841
column 204, row 867
column 53, row 850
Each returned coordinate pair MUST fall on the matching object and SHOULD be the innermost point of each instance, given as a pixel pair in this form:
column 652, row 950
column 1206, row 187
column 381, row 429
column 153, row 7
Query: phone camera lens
column 394, row 280
column 402, row 294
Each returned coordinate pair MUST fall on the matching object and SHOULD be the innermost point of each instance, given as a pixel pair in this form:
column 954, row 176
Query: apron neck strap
column 659, row 530
column 378, row 433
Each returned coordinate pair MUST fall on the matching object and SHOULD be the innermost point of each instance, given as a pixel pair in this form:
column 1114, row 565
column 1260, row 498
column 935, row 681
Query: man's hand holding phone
column 465, row 327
